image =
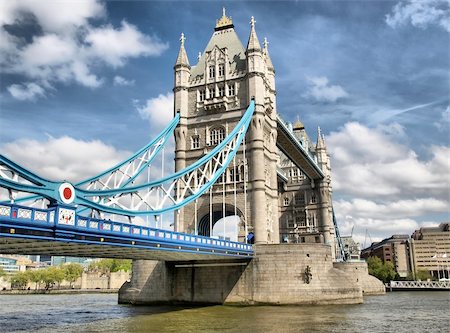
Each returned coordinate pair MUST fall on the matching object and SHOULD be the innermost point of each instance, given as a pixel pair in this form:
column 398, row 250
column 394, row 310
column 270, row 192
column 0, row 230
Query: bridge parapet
column 62, row 224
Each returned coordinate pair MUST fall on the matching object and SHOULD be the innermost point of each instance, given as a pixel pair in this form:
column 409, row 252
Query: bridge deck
column 25, row 230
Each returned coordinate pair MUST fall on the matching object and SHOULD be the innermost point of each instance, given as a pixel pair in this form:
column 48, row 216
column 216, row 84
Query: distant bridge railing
column 25, row 222
column 438, row 285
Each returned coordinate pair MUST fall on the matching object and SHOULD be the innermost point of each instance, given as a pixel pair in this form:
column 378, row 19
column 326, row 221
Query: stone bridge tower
column 211, row 97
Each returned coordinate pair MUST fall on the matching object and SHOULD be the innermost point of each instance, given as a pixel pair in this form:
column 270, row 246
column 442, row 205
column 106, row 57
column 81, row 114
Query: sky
column 83, row 89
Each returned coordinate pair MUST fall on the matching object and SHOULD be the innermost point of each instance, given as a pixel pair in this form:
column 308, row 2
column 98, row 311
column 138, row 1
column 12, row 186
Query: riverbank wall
column 87, row 281
column 277, row 275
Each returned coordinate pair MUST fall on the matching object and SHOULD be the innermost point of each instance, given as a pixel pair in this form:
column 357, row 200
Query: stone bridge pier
column 278, row 274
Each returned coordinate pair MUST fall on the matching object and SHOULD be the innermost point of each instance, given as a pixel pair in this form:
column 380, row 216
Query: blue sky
column 94, row 82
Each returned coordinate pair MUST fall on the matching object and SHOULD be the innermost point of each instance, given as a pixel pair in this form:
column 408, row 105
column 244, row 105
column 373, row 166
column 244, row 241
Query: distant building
column 59, row 260
column 13, row 264
column 431, row 250
column 351, row 248
column 396, row 250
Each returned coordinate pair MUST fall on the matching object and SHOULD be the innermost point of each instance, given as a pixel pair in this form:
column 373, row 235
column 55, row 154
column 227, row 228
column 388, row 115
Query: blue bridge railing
column 66, row 224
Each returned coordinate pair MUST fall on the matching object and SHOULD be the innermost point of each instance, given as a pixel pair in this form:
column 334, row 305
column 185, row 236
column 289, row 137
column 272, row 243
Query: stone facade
column 279, row 274
column 210, row 97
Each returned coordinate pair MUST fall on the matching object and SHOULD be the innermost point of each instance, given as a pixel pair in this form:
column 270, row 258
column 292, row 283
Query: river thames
column 394, row 312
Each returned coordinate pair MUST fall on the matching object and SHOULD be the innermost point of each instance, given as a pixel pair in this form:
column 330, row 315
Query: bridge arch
column 217, row 215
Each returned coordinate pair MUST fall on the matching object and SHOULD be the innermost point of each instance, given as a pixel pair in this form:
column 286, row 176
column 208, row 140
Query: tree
column 111, row 265
column 423, row 275
column 72, row 272
column 52, row 275
column 20, row 280
column 383, row 271
column 36, row 277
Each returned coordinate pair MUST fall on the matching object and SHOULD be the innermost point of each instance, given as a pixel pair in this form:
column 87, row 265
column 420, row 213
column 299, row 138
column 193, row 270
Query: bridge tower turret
column 262, row 141
column 211, row 97
column 324, row 187
column 182, row 72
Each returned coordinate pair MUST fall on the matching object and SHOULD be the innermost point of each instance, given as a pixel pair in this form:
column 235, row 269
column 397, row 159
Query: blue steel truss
column 149, row 198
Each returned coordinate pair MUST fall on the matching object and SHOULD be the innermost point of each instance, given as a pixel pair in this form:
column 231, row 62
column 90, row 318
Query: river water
column 398, row 312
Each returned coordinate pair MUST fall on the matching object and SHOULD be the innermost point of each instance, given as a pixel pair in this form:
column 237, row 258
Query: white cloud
column 420, row 14
column 115, row 46
column 363, row 208
column 63, row 158
column 369, row 163
column 121, row 81
column 26, row 91
column 367, row 230
column 70, row 47
column 54, row 16
column 158, row 111
column 382, row 186
column 321, row 91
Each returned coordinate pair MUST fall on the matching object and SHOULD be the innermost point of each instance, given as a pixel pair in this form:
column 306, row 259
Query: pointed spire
column 253, row 42
column 320, row 141
column 182, row 58
column 266, row 54
column 224, row 22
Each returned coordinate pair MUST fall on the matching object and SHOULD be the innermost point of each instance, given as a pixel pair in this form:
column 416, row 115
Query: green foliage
column 20, row 280
column 2, row 272
column 423, row 275
column 52, row 275
column 111, row 265
column 36, row 276
column 72, row 272
column 383, row 271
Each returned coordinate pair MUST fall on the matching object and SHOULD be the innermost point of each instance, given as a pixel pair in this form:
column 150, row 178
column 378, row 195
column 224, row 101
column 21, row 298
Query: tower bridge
column 234, row 156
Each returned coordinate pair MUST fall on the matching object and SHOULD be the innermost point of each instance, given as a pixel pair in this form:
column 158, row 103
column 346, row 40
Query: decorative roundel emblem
column 66, row 193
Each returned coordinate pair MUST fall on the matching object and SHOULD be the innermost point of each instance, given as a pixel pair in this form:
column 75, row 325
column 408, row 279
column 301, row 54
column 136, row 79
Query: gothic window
column 216, row 135
column 195, row 142
column 221, row 91
column 301, row 222
column 295, row 172
column 201, row 95
column 212, row 71
column 231, row 90
column 313, row 198
column 221, row 69
column 299, row 199
column 286, row 201
column 211, row 92
column 235, row 172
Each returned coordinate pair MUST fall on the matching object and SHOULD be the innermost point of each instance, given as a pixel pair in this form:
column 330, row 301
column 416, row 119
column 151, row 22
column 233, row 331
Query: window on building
column 313, row 198
column 235, row 172
column 231, row 90
column 212, row 71
column 299, row 199
column 195, row 142
column 295, row 172
column 216, row 135
column 221, row 69
column 286, row 201
column 202, row 95
column 211, row 92
column 221, row 91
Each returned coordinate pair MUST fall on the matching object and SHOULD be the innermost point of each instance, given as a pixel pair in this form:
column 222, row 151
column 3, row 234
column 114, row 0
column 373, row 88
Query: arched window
column 195, row 142
column 216, row 135
column 286, row 201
